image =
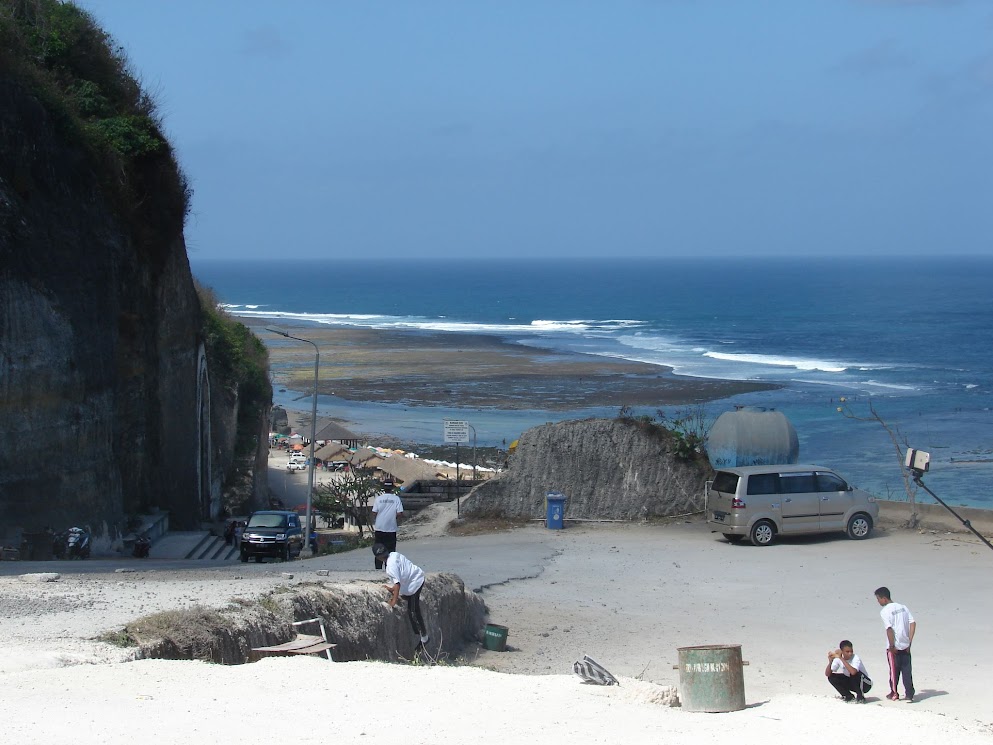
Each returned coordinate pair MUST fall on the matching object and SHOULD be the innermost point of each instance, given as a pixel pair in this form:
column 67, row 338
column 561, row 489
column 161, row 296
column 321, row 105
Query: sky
column 572, row 128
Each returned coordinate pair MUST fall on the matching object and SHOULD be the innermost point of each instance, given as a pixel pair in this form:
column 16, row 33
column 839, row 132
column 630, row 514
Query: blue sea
column 913, row 336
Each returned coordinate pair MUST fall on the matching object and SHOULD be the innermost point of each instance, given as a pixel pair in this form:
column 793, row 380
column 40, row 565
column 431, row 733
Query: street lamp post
column 305, row 552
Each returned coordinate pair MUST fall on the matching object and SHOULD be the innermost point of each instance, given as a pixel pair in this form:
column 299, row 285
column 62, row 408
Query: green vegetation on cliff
column 83, row 80
column 240, row 362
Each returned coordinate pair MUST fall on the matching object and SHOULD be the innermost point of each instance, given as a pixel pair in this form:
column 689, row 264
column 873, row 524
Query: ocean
column 913, row 336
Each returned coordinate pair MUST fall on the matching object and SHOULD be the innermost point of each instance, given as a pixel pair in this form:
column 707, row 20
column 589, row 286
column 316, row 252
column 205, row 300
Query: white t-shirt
column 898, row 618
column 837, row 666
column 400, row 569
column 387, row 506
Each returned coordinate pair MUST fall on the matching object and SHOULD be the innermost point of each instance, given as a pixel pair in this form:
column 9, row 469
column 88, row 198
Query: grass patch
column 269, row 603
column 117, row 638
column 192, row 631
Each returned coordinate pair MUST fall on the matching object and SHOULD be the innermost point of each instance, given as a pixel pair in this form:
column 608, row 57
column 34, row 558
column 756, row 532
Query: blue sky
column 572, row 128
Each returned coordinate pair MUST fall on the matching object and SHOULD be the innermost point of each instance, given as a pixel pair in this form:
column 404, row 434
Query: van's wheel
column 286, row 552
column 244, row 558
column 859, row 526
column 763, row 533
column 732, row 538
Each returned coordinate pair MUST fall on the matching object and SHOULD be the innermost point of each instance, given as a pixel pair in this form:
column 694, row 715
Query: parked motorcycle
column 75, row 544
column 142, row 545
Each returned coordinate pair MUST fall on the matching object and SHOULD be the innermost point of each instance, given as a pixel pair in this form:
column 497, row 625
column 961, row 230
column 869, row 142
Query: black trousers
column 901, row 666
column 387, row 539
column 849, row 685
column 414, row 612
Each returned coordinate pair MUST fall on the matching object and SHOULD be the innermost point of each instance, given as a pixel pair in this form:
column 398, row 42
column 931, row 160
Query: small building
column 334, row 432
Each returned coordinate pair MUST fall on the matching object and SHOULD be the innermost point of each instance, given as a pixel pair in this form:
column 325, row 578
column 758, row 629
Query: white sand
column 626, row 595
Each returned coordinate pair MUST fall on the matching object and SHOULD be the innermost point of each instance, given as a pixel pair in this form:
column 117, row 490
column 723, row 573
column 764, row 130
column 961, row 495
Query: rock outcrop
column 105, row 403
column 608, row 468
column 99, row 331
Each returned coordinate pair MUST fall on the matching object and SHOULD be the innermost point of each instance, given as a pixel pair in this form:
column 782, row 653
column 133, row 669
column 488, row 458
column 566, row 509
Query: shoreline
column 404, row 383
column 472, row 371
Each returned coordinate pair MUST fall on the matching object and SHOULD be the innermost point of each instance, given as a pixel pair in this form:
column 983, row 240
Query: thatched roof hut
column 407, row 470
column 332, row 451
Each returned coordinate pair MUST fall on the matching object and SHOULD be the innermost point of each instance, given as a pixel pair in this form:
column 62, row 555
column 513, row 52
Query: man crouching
column 847, row 674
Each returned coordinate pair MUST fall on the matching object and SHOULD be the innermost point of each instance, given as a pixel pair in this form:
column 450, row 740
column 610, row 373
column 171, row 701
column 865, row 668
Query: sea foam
column 798, row 363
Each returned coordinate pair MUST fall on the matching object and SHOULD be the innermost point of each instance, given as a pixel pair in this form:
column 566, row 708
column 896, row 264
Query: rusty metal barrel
column 711, row 678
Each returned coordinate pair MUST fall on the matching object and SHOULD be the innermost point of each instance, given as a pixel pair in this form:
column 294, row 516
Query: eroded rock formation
column 608, row 468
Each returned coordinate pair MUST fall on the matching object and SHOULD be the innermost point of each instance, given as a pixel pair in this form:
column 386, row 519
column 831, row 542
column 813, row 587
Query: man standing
column 847, row 674
column 387, row 506
column 900, row 628
column 406, row 580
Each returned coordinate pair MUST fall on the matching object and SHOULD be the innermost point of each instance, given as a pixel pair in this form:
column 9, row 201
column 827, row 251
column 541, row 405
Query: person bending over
column 847, row 674
column 407, row 581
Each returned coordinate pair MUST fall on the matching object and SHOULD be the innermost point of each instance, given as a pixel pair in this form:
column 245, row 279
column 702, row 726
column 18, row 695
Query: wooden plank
column 302, row 644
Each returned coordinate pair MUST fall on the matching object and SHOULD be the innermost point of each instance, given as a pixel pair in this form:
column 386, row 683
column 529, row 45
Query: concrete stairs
column 199, row 545
column 213, row 548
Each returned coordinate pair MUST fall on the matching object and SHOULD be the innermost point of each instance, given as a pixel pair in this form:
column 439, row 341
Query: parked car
column 273, row 533
column 763, row 502
column 297, row 463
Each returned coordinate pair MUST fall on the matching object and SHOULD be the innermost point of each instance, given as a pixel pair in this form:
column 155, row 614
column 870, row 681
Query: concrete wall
column 932, row 516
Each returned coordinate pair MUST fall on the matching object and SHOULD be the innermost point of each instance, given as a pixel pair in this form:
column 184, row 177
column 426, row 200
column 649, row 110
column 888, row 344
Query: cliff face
column 102, row 409
column 608, row 469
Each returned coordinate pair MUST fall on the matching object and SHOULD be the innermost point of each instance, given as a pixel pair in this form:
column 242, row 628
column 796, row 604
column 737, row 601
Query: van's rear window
column 725, row 482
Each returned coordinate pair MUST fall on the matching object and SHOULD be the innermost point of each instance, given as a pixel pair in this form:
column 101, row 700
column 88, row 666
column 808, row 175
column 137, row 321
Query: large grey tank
column 752, row 436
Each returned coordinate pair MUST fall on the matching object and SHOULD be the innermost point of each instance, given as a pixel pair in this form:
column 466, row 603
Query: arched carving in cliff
column 209, row 504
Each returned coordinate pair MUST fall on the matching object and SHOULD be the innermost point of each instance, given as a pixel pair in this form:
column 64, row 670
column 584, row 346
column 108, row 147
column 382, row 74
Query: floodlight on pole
column 305, row 552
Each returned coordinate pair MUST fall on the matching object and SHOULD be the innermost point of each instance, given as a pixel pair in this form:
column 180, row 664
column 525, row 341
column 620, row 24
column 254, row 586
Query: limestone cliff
column 105, row 406
column 608, row 468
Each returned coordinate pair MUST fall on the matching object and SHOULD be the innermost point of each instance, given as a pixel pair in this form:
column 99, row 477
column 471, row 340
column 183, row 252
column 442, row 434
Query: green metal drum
column 495, row 637
column 711, row 678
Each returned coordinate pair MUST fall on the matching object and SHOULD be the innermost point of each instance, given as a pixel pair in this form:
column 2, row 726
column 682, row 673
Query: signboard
column 456, row 430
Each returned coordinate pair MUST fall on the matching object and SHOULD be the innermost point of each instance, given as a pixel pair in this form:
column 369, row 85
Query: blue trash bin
column 555, row 510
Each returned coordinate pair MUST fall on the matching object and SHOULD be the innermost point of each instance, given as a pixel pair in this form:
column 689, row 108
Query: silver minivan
column 761, row 502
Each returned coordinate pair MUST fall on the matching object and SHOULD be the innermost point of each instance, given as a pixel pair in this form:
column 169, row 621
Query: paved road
column 481, row 561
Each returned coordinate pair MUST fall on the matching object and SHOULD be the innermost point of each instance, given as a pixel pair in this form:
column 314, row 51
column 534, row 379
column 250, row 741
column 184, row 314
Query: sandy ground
column 628, row 595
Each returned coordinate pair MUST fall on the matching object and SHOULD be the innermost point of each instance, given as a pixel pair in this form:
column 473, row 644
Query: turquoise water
column 913, row 336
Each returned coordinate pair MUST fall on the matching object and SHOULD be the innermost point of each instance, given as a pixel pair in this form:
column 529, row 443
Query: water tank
column 752, row 436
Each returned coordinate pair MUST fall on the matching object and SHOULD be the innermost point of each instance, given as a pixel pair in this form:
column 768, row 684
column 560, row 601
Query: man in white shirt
column 407, row 580
column 900, row 629
column 847, row 674
column 387, row 507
